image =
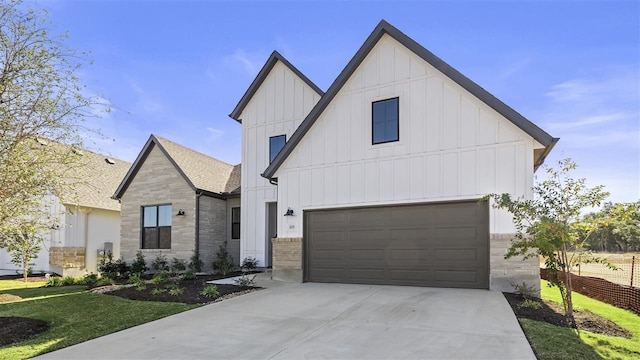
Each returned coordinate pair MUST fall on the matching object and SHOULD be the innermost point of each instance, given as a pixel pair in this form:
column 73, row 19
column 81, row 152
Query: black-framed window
column 235, row 223
column 156, row 227
column 385, row 121
column 276, row 143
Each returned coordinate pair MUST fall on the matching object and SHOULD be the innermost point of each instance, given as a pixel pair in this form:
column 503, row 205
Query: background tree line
column 617, row 228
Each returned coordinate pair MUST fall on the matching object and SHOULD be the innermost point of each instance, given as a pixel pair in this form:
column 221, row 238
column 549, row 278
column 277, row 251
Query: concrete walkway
column 325, row 321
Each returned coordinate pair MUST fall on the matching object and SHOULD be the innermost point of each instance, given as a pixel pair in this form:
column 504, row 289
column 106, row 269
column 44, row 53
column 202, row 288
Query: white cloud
column 250, row 65
column 145, row 102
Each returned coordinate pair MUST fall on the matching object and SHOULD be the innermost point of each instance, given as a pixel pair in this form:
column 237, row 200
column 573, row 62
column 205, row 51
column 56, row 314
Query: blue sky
column 177, row 69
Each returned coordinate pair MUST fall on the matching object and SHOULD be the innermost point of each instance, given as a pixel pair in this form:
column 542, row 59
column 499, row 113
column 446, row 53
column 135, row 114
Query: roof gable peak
column 380, row 30
column 260, row 78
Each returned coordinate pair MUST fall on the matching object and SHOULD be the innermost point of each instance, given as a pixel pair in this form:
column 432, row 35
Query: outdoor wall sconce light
column 180, row 212
column 289, row 212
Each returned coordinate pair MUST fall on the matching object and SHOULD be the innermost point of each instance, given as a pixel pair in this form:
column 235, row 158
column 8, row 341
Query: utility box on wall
column 108, row 248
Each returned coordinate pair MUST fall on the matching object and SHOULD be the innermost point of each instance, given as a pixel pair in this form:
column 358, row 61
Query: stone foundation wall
column 287, row 259
column 67, row 261
column 504, row 273
column 67, row 257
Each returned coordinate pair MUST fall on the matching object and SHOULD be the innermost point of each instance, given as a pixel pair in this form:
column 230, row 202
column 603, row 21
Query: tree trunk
column 25, row 268
column 568, row 289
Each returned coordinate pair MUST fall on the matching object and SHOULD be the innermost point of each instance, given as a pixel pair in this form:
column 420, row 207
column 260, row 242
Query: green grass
column 19, row 284
column 553, row 342
column 75, row 315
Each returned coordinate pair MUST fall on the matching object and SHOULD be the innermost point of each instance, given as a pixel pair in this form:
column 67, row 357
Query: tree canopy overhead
column 43, row 107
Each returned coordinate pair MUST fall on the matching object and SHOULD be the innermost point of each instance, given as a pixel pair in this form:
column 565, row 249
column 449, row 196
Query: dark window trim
column 270, row 140
column 397, row 123
column 235, row 235
column 142, row 227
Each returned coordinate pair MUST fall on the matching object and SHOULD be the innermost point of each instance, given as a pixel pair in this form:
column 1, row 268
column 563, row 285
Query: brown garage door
column 440, row 245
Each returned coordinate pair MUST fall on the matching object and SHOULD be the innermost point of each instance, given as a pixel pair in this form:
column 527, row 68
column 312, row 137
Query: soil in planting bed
column 552, row 313
column 16, row 329
column 191, row 291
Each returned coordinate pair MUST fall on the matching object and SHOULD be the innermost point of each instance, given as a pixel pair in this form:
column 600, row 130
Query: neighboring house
column 377, row 180
column 175, row 201
column 89, row 218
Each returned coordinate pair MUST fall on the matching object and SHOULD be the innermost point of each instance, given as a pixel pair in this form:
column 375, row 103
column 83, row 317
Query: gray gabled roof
column 262, row 75
column 385, row 28
column 201, row 172
column 93, row 180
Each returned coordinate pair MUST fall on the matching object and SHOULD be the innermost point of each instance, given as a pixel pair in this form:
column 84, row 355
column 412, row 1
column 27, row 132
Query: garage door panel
column 411, row 275
column 410, row 259
column 420, row 234
column 332, row 255
column 452, row 234
column 330, row 274
column 457, row 254
column 372, row 255
column 444, row 245
column 456, row 276
column 334, row 219
column 365, row 275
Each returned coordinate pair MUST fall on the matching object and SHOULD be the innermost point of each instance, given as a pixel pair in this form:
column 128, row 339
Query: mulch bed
column 552, row 313
column 190, row 295
column 16, row 329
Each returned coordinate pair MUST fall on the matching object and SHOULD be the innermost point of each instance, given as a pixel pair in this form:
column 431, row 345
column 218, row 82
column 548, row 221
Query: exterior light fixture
column 289, row 212
column 180, row 213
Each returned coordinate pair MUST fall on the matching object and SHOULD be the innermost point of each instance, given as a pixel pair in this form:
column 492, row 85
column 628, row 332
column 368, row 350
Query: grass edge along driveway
column 553, row 342
column 74, row 315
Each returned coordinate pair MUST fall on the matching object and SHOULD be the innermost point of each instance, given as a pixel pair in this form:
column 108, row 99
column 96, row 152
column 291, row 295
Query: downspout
column 197, row 249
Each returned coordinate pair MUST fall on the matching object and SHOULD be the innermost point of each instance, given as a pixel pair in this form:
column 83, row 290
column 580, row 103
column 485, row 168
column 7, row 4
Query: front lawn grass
column 553, row 342
column 75, row 315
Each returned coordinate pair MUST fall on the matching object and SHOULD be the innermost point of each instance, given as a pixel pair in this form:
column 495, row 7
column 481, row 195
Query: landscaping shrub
column 210, row 291
column 104, row 281
column 189, row 275
column 113, row 269
column 54, row 282
column 88, row 279
column 160, row 278
column 160, row 263
column 137, row 279
column 249, row 264
column 246, row 280
column 158, row 291
column 139, row 265
column 224, row 262
column 195, row 264
column 176, row 292
column 178, row 266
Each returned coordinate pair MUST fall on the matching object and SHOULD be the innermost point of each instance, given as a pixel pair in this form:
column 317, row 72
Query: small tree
column 547, row 225
column 24, row 245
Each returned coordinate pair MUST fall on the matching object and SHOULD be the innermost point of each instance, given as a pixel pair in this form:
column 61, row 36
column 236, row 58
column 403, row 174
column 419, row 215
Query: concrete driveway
column 326, row 321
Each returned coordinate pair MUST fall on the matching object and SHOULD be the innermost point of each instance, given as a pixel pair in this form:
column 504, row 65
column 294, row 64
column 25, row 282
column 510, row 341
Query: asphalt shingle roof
column 201, row 171
column 94, row 180
column 204, row 172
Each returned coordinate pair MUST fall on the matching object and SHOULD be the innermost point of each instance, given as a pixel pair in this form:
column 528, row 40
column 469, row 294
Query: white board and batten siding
column 451, row 146
column 277, row 108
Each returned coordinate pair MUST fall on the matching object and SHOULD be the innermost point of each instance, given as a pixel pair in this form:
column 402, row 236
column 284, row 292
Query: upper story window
column 156, row 227
column 276, row 143
column 385, row 121
column 235, row 223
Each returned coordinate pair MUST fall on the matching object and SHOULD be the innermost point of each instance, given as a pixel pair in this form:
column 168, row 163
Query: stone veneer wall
column 213, row 232
column 67, row 257
column 158, row 183
column 67, row 261
column 287, row 259
column 504, row 273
